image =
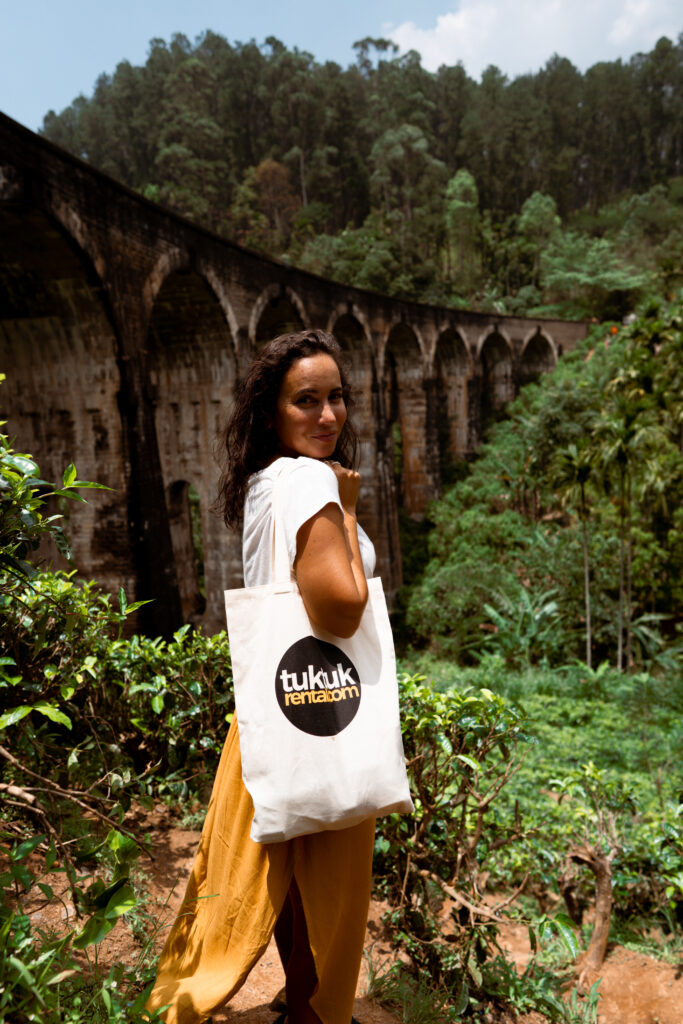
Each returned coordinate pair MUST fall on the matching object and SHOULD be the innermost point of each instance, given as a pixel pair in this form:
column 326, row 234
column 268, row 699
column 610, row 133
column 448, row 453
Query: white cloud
column 520, row 35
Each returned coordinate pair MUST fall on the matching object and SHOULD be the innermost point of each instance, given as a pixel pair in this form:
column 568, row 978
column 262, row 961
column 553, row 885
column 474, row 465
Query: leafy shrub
column 88, row 717
column 460, row 747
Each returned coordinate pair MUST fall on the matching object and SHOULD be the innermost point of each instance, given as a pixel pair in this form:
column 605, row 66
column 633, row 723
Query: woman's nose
column 327, row 413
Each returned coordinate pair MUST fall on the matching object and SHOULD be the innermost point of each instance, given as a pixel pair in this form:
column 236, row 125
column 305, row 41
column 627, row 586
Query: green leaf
column 94, row 931
column 14, row 716
column 469, row 761
column 137, row 604
column 67, row 494
column 475, row 972
column 28, row 846
column 158, row 703
column 565, row 928
column 69, row 475
column 123, row 847
column 53, row 713
column 26, row 466
column 120, row 903
column 464, row 1000
column 533, row 942
column 24, row 973
column 21, row 874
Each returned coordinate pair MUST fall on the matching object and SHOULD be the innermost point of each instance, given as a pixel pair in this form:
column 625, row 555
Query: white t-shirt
column 310, row 486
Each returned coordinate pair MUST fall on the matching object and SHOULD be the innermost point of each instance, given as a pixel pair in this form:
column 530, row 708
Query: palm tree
column 570, row 473
column 624, row 439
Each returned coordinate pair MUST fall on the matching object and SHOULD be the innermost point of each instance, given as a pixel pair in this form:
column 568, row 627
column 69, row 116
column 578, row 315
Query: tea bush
column 91, row 720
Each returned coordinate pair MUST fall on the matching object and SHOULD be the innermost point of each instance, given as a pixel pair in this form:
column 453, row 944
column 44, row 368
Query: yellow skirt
column 235, row 893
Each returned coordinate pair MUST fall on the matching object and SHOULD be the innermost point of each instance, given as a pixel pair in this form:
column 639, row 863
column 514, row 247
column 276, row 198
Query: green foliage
column 463, row 227
column 40, row 979
column 90, row 716
column 23, row 495
column 577, row 785
column 586, row 276
column 574, row 785
column 94, row 718
column 548, row 549
column 460, row 747
column 535, row 989
column 414, row 999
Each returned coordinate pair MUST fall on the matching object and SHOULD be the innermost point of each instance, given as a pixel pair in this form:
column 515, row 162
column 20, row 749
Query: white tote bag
column 318, row 714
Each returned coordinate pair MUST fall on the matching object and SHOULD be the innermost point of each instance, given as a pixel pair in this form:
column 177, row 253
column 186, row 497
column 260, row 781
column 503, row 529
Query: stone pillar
column 376, row 505
column 407, row 408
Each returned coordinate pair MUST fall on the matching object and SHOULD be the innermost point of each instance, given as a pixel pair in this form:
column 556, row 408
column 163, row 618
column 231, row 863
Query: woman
column 292, row 405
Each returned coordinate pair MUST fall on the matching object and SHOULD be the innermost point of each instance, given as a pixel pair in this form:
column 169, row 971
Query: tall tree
column 462, row 225
column 538, row 223
column 191, row 166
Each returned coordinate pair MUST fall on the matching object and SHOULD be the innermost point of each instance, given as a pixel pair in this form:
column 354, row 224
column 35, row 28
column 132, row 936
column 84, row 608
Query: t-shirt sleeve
column 310, row 486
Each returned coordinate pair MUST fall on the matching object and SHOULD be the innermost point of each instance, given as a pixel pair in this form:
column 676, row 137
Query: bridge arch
column 76, row 228
column 349, row 309
column 539, row 356
column 277, row 310
column 59, row 347
column 192, row 369
column 453, row 376
column 497, row 383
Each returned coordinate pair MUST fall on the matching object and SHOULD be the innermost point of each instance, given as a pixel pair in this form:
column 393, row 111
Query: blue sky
column 52, row 50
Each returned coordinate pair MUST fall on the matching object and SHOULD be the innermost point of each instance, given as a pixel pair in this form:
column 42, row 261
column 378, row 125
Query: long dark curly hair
column 249, row 441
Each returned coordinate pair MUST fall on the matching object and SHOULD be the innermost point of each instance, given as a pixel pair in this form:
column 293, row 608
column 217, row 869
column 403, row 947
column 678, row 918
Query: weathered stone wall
column 123, row 330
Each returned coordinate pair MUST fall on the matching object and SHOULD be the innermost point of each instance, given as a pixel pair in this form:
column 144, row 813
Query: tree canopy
column 556, row 192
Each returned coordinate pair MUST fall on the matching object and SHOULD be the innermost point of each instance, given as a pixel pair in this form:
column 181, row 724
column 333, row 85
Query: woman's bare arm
column 328, row 565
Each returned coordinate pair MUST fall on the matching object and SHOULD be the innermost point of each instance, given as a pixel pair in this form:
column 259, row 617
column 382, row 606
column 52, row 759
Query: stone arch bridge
column 123, row 331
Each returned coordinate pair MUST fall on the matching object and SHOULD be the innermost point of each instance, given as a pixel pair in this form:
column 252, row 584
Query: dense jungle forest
column 557, row 192
column 540, row 625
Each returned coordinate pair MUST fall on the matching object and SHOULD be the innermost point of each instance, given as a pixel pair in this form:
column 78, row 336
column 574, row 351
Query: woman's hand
column 349, row 485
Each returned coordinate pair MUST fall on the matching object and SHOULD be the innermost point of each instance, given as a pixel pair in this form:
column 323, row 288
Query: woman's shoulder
column 304, row 478
column 301, row 467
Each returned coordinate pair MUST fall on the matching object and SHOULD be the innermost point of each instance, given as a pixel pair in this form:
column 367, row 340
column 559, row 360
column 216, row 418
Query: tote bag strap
column 281, row 569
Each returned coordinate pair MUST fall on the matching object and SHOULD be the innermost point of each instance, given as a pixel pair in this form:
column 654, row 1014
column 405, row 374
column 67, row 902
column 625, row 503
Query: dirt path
column 174, row 853
column 635, row 989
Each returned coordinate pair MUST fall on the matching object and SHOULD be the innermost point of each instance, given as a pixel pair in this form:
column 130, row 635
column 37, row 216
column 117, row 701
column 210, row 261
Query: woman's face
column 310, row 409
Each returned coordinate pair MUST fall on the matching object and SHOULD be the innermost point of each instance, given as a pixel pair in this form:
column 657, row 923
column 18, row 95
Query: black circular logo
column 317, row 687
